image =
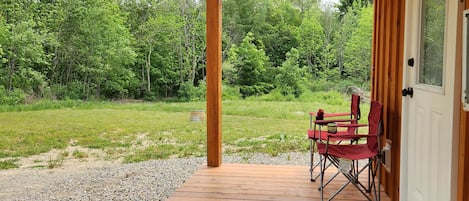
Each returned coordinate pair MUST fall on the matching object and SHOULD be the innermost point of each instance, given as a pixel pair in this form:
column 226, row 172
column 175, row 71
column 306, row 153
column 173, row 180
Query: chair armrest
column 351, row 125
column 332, row 121
column 350, row 136
column 331, row 114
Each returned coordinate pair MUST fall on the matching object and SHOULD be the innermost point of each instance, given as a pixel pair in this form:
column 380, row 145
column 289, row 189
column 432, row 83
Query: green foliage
column 15, row 97
column 290, row 75
column 46, row 105
column 143, row 131
column 275, row 95
column 79, row 154
column 25, row 53
column 8, row 164
column 433, row 38
column 230, row 92
column 152, row 50
column 250, row 62
column 56, row 162
column 154, row 152
column 189, row 92
column 358, row 50
column 311, row 35
column 351, row 5
column 100, row 41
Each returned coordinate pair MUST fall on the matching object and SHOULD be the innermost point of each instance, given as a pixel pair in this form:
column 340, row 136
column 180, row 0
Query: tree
column 277, row 28
column 95, row 44
column 290, row 75
column 352, row 5
column 330, row 26
column 311, row 42
column 358, row 49
column 250, row 62
column 3, row 38
column 348, row 24
column 23, row 48
column 192, row 49
column 304, row 5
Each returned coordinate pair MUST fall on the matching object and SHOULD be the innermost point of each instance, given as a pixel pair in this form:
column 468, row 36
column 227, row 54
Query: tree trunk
column 11, row 72
column 148, row 69
column 194, row 60
column 181, row 61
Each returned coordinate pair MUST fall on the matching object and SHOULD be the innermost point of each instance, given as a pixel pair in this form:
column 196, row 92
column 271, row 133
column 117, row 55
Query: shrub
column 188, row 92
column 231, row 92
column 15, row 97
column 75, row 91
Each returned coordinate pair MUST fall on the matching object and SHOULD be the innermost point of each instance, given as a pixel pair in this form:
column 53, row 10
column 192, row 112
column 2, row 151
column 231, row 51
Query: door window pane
column 433, row 35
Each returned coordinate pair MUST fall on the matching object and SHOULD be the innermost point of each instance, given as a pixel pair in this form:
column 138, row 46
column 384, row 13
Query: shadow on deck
column 261, row 182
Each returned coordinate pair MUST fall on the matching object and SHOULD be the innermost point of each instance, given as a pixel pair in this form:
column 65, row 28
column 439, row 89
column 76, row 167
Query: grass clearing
column 142, row 131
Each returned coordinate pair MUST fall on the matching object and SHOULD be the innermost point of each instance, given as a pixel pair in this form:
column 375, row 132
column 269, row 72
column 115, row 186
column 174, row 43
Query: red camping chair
column 319, row 119
column 365, row 146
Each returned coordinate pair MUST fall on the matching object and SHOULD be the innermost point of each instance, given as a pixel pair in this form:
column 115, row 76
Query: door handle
column 410, row 62
column 409, row 91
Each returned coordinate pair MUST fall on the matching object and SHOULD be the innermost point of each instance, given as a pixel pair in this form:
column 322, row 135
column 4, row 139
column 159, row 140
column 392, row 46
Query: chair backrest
column 374, row 123
column 355, row 107
column 354, row 113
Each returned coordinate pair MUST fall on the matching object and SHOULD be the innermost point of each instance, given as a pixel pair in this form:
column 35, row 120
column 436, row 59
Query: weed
column 8, row 164
column 153, row 152
column 246, row 157
column 64, row 154
column 54, row 163
column 79, row 154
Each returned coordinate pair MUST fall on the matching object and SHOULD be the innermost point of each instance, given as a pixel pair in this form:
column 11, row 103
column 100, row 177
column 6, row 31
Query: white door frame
column 413, row 6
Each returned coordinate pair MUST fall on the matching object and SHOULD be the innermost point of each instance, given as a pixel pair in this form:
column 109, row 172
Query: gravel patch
column 150, row 180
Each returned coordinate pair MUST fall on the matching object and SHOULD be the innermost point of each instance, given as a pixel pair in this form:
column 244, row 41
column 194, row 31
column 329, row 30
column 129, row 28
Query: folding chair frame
column 356, row 152
column 316, row 125
column 374, row 169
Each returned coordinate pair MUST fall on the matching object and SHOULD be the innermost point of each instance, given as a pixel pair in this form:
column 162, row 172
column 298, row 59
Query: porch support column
column 214, row 57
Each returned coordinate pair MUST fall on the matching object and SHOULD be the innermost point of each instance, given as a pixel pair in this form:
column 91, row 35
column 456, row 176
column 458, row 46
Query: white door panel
column 427, row 132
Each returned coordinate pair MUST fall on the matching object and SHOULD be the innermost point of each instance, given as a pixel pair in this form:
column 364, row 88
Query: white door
column 427, row 128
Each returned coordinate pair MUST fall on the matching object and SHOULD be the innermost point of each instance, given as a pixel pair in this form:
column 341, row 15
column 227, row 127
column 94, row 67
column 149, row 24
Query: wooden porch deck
column 261, row 182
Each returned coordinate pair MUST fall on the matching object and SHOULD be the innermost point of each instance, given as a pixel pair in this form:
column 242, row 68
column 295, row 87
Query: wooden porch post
column 214, row 23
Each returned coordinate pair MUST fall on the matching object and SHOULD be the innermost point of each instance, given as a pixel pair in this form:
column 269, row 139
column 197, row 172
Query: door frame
column 410, row 36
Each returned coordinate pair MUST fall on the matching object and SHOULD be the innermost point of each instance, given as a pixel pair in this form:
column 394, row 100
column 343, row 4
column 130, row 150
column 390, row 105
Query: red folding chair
column 363, row 146
column 318, row 120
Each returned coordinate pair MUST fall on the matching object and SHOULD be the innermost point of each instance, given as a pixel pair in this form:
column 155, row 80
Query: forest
column 155, row 49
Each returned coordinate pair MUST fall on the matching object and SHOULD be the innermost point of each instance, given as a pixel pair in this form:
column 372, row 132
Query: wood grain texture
column 387, row 75
column 463, row 162
column 260, row 182
column 214, row 104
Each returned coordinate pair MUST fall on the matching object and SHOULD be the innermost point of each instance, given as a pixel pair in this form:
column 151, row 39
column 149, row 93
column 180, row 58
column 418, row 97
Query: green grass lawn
column 142, row 131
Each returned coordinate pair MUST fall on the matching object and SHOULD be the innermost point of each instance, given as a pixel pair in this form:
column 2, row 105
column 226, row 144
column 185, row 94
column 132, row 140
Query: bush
column 15, row 97
column 74, row 91
column 330, row 97
column 188, row 92
column 230, row 92
column 274, row 95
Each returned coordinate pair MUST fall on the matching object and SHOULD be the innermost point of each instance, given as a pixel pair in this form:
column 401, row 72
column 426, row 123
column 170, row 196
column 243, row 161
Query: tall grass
column 143, row 131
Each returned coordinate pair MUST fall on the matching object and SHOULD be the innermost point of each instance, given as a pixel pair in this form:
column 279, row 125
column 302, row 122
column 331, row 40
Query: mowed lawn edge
column 142, row 131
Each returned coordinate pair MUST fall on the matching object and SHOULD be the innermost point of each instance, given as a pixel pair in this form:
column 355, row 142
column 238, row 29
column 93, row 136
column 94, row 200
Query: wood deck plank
column 261, row 182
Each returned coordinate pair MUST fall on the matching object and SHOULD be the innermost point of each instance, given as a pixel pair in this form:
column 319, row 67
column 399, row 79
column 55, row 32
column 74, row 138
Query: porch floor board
column 262, row 182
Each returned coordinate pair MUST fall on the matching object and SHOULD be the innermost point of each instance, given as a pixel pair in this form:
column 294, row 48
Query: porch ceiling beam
column 214, row 103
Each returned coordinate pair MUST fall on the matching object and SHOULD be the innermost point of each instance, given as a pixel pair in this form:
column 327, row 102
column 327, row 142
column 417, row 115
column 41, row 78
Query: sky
column 327, row 3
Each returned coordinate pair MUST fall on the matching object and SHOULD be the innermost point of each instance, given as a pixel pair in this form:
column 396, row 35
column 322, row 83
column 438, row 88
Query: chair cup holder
column 332, row 128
